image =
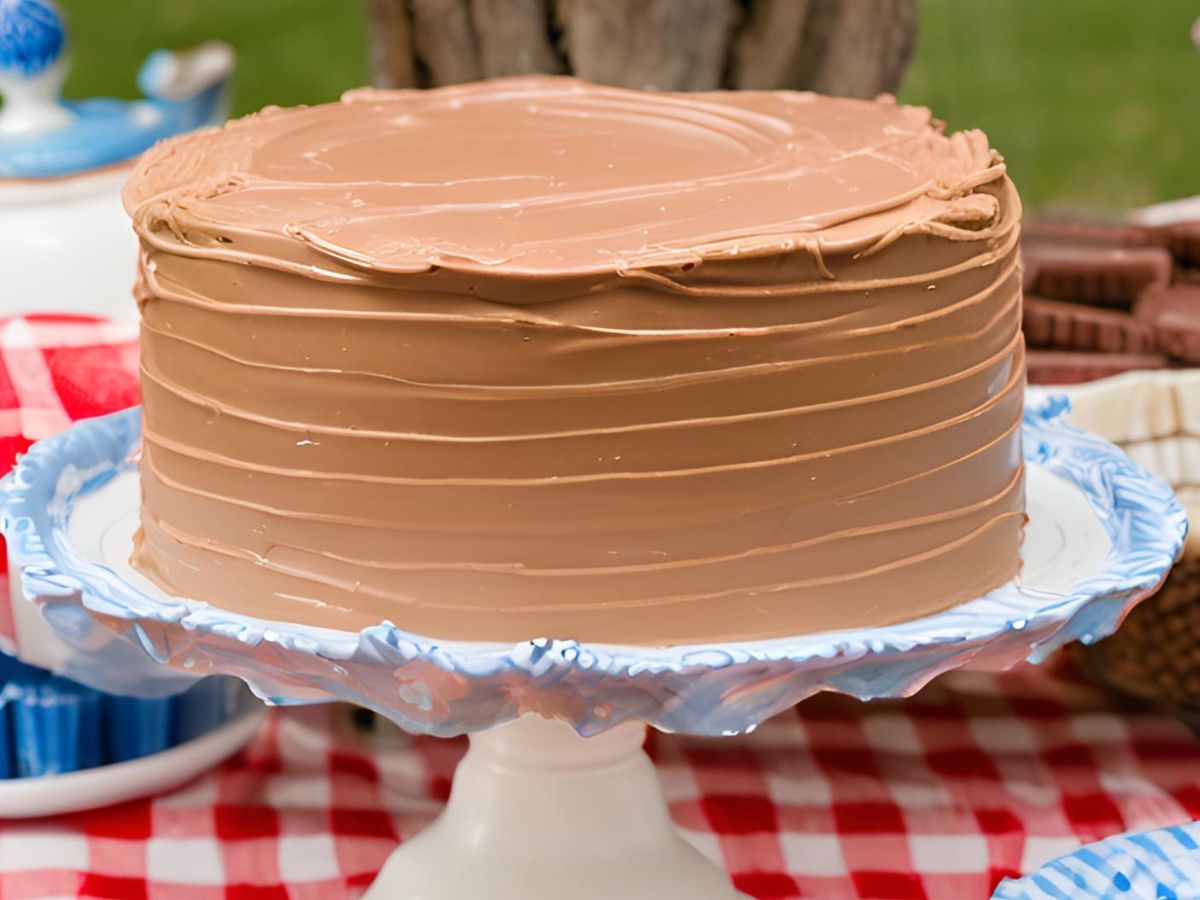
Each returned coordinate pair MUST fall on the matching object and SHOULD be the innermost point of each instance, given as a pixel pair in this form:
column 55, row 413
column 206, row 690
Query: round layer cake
column 536, row 358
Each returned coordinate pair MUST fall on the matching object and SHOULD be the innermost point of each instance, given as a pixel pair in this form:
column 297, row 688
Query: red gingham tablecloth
column 939, row 796
column 978, row 777
column 54, row 370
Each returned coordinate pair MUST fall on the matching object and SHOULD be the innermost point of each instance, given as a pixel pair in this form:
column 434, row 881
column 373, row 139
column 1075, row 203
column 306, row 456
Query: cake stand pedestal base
column 536, row 807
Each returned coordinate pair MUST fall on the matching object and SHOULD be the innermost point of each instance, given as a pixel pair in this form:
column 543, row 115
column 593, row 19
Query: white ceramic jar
column 66, row 246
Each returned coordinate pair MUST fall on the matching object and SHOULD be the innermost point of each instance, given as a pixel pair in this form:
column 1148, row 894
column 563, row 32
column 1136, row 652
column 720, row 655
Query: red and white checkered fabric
column 54, row 370
column 940, row 796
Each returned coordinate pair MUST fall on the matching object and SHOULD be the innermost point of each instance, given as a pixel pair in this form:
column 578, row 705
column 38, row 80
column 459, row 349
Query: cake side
column 799, row 422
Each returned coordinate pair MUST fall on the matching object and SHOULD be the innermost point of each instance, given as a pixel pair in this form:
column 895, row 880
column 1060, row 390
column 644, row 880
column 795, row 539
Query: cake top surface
column 549, row 175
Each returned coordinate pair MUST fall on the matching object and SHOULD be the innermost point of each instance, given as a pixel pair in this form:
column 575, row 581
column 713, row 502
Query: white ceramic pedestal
column 535, row 805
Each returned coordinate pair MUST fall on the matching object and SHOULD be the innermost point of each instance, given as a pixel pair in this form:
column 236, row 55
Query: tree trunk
column 855, row 48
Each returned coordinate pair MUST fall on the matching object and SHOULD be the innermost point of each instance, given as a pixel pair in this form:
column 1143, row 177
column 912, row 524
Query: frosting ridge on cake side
column 538, row 358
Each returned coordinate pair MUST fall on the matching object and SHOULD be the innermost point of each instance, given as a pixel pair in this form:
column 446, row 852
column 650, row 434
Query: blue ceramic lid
column 44, row 136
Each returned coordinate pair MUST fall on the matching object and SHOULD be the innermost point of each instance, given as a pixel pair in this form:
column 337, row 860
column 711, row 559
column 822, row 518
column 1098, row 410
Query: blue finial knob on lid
column 32, row 35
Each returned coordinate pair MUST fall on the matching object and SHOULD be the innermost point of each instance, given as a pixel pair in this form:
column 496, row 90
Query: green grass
column 289, row 51
column 1094, row 103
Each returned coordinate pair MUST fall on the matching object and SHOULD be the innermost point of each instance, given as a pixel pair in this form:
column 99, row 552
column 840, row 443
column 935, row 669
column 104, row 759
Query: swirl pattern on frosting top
column 535, row 358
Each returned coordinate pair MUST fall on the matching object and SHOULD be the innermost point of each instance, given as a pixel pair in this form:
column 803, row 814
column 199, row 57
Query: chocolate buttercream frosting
column 537, row 358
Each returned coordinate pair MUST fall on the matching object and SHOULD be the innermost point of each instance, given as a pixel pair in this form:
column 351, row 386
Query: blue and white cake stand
column 555, row 790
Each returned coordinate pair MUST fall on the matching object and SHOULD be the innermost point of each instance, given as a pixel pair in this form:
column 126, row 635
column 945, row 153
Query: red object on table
column 939, row 796
column 54, row 370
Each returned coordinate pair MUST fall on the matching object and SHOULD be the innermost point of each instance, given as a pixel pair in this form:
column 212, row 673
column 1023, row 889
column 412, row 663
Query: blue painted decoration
column 32, row 35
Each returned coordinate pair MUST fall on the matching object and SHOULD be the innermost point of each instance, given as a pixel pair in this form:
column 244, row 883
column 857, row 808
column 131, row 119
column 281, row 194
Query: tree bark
column 858, row 49
column 389, row 45
column 445, row 40
column 514, row 37
column 666, row 45
column 849, row 47
column 769, row 49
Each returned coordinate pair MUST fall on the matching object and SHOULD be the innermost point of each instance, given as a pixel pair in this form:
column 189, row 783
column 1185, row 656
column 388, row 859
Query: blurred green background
column 1094, row 103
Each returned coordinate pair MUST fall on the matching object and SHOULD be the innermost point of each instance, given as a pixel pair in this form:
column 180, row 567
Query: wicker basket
column 1155, row 417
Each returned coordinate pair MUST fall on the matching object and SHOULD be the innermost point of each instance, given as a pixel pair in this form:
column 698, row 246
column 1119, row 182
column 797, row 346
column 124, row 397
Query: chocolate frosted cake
column 534, row 358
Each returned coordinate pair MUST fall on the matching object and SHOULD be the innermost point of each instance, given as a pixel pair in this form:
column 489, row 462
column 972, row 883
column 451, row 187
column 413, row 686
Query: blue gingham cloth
column 1162, row 864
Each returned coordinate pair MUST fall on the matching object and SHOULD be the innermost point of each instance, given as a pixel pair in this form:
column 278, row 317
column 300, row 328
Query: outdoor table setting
column 462, row 524
column 976, row 778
